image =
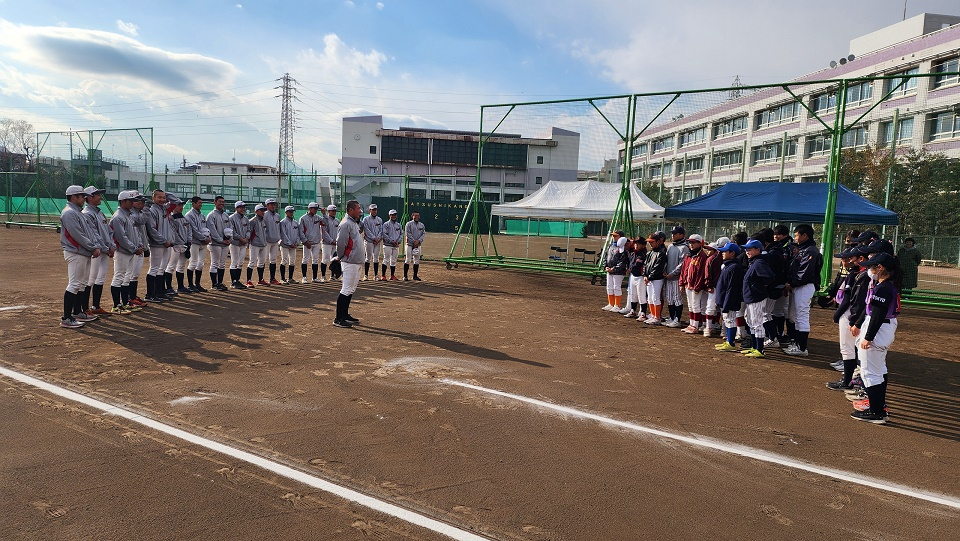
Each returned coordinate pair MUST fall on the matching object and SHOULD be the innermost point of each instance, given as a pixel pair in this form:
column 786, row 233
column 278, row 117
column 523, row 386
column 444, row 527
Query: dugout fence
column 678, row 145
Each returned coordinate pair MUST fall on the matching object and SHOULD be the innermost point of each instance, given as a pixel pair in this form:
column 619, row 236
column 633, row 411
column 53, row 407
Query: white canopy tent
column 579, row 202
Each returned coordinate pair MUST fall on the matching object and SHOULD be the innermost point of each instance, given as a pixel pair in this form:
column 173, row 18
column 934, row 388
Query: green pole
column 833, row 176
column 893, row 160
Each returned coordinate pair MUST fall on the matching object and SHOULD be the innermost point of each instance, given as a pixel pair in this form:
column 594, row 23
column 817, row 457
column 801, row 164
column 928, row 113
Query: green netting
column 542, row 228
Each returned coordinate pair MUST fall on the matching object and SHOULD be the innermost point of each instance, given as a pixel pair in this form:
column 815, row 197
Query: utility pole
column 288, row 124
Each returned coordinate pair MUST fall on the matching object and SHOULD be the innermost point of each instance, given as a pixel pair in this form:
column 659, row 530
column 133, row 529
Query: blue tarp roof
column 783, row 202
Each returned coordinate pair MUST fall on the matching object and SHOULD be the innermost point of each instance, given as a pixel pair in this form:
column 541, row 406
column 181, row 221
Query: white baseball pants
column 351, row 277
column 78, row 271
column 873, row 361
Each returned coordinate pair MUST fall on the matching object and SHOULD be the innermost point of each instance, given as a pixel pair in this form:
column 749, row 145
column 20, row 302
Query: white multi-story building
column 769, row 136
column 442, row 164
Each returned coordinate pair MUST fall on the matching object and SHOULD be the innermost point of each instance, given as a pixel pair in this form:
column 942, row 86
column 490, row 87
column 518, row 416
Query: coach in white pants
column 349, row 241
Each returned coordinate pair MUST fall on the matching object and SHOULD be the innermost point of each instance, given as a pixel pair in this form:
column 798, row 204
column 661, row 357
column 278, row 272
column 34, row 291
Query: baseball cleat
column 70, row 323
column 119, row 310
column 275, row 282
column 263, row 283
column 342, row 323
column 304, row 280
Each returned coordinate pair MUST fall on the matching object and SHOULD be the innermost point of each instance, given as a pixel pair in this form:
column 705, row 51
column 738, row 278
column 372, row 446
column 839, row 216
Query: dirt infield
column 265, row 371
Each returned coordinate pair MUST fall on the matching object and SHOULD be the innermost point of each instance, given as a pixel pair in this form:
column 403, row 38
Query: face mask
column 872, row 274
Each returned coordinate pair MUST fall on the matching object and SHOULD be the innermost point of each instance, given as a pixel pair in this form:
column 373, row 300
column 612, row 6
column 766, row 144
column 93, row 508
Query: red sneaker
column 274, row 282
column 138, row 302
column 263, row 283
column 393, row 277
column 249, row 283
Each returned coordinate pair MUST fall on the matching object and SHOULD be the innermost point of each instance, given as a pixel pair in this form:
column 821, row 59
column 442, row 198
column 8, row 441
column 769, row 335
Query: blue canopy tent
column 784, row 202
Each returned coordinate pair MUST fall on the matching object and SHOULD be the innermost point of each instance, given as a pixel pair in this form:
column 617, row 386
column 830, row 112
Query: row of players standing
column 157, row 230
column 689, row 270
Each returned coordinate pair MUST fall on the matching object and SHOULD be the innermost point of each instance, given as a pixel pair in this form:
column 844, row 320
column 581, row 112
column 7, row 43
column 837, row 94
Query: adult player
column 372, row 226
column 349, row 241
column 311, row 235
column 259, row 250
column 79, row 248
column 289, row 240
column 271, row 222
column 676, row 253
column 803, row 277
column 200, row 238
column 240, row 227
column 98, row 266
column 392, row 237
column 159, row 234
column 329, row 246
column 128, row 247
column 218, row 222
column 415, row 233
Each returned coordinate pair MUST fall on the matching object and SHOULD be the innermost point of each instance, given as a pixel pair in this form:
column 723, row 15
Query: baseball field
column 477, row 404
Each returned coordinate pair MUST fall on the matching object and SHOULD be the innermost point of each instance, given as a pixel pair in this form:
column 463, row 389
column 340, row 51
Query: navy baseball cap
column 730, row 247
column 678, row 229
column 878, row 246
column 883, row 258
column 754, row 243
column 866, row 236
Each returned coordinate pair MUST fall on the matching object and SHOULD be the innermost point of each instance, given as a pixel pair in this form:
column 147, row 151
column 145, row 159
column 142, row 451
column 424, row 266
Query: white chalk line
column 18, row 307
column 748, row 452
column 250, row 458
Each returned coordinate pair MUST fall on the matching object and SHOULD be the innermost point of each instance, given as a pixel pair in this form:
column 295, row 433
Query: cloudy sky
column 203, row 73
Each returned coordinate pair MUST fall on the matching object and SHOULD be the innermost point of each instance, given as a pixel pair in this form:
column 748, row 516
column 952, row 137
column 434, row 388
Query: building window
column 440, row 194
column 373, row 170
column 730, row 127
column 511, row 197
column 772, row 152
column 661, row 170
column 859, row 93
column 233, row 169
column 779, row 114
column 418, row 194
column 904, row 83
column 944, row 126
column 693, row 165
column 539, row 159
column 854, row 138
column 818, row 145
column 490, row 184
column 133, row 185
column 662, row 144
column 514, row 185
column 444, row 181
column 904, row 133
column 491, row 196
column 951, row 65
column 539, row 180
column 693, row 137
column 824, row 102
column 499, row 155
column 638, row 150
column 405, row 149
column 728, row 159
column 464, row 196
column 636, row 174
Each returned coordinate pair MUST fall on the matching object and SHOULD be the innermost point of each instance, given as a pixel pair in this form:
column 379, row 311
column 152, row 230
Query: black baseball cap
column 866, row 236
column 678, row 229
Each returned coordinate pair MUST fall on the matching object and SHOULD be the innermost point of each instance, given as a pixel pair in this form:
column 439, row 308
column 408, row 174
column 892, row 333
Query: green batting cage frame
column 112, row 159
column 677, row 145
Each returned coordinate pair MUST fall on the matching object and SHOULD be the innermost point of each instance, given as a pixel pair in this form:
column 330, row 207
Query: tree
column 17, row 145
column 924, row 186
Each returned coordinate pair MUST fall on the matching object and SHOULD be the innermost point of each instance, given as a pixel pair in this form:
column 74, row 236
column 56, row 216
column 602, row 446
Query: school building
column 768, row 136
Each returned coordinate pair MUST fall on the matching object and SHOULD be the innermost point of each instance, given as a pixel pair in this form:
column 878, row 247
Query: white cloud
column 380, row 5
column 239, row 6
column 336, row 62
column 107, row 55
column 128, row 28
column 349, row 3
